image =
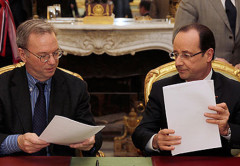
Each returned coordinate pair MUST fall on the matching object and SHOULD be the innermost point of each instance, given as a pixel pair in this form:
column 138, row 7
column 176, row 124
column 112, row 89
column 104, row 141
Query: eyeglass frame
column 45, row 61
column 188, row 55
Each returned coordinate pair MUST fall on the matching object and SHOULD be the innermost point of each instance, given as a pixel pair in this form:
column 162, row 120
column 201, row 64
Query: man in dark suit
column 63, row 95
column 193, row 52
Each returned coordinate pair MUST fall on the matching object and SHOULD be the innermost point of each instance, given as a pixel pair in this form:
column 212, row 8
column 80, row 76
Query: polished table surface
column 119, row 161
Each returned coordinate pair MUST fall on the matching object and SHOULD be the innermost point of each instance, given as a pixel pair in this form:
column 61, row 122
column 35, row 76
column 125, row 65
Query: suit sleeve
column 154, row 119
column 187, row 13
column 234, row 123
column 84, row 113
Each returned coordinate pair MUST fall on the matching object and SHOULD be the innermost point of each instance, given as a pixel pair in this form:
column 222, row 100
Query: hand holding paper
column 164, row 140
column 64, row 131
column 85, row 145
column 185, row 105
column 220, row 117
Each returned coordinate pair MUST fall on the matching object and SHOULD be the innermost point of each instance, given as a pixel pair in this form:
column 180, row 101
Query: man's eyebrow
column 47, row 52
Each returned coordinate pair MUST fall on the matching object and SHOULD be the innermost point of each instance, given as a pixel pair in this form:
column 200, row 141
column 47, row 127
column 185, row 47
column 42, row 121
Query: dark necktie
column 232, row 15
column 40, row 117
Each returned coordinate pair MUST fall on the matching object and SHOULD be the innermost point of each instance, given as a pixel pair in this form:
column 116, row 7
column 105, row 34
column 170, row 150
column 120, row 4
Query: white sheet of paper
column 64, row 131
column 185, row 106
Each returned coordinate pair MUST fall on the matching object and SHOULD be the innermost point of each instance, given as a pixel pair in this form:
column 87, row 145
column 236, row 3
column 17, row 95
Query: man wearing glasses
column 193, row 47
column 21, row 121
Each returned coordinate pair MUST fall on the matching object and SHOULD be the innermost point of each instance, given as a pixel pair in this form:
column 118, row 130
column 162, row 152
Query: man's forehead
column 191, row 33
column 186, row 39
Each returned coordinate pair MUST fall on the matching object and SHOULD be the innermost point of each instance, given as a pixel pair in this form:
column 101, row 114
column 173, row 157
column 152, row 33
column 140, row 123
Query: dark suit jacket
column 68, row 98
column 154, row 117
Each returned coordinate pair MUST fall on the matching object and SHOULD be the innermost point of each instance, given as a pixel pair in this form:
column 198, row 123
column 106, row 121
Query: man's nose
column 52, row 60
column 178, row 60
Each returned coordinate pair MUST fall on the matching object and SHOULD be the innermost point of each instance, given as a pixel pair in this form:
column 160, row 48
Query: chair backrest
column 20, row 64
column 169, row 69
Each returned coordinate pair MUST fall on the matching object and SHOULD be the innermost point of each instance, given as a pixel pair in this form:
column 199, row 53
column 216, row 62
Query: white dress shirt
column 223, row 2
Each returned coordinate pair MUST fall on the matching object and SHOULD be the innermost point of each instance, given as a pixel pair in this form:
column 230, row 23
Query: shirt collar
column 209, row 76
column 32, row 81
column 223, row 3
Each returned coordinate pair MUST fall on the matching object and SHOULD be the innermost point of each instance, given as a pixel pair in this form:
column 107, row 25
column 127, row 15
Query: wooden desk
column 125, row 36
column 35, row 161
column 195, row 161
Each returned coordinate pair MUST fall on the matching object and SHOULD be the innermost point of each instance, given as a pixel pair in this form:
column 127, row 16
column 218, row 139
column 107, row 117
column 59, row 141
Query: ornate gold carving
column 98, row 10
column 98, row 14
column 123, row 145
column 173, row 7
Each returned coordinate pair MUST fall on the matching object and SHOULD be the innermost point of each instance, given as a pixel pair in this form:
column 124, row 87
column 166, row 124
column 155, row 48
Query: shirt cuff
column 10, row 145
column 228, row 137
column 149, row 147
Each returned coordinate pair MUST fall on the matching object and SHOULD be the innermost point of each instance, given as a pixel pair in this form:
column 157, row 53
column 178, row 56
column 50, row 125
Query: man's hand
column 163, row 140
column 237, row 66
column 30, row 143
column 220, row 117
column 223, row 60
column 85, row 145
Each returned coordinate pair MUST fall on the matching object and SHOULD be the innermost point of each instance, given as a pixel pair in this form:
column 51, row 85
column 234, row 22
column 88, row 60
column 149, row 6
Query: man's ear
column 22, row 54
column 209, row 54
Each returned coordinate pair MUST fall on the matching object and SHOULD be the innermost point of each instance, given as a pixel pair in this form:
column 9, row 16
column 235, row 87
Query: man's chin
column 183, row 76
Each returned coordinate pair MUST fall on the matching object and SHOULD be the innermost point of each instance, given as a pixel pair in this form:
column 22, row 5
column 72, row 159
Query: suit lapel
column 21, row 97
column 217, row 5
column 57, row 96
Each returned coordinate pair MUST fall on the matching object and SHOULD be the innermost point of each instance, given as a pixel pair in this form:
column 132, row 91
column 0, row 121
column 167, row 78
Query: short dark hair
column 146, row 4
column 206, row 36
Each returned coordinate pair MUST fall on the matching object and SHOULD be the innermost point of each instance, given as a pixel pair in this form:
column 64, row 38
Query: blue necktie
column 232, row 15
column 40, row 117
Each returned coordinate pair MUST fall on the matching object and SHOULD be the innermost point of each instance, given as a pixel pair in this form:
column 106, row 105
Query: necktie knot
column 40, row 86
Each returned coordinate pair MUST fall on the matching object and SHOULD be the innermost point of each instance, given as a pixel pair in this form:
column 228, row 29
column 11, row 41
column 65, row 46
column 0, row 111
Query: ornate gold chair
column 169, row 69
column 20, row 64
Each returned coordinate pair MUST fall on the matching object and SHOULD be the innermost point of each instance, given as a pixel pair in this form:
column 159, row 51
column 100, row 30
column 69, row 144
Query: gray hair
column 37, row 26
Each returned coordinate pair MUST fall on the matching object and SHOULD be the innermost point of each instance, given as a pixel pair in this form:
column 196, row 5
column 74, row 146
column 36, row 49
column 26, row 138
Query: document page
column 185, row 106
column 64, row 131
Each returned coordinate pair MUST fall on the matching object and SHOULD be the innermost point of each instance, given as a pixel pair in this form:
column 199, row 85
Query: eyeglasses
column 174, row 55
column 44, row 58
